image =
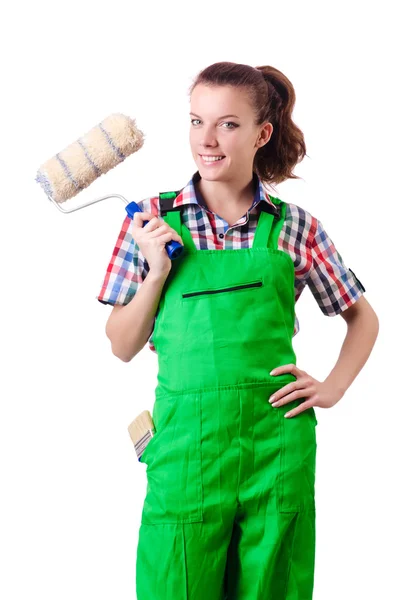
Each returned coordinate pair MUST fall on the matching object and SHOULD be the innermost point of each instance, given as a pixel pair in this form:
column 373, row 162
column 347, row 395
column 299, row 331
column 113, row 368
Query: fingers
column 140, row 217
column 155, row 228
column 299, row 409
column 163, row 229
column 159, row 230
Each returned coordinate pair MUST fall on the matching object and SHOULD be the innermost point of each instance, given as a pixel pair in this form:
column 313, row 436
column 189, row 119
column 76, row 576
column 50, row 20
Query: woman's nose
column 209, row 141
column 208, row 138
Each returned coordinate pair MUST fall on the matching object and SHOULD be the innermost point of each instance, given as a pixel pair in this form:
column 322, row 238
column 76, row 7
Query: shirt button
column 221, row 235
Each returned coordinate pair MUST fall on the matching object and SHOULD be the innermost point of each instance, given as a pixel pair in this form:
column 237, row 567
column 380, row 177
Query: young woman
column 230, row 505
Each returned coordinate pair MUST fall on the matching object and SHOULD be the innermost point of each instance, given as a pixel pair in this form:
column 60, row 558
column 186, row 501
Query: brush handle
column 174, row 249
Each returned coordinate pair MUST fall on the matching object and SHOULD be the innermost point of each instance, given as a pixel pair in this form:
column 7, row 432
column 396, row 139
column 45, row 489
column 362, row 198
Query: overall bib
column 229, row 511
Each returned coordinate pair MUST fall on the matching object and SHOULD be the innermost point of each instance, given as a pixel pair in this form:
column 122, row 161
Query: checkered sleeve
column 127, row 268
column 334, row 286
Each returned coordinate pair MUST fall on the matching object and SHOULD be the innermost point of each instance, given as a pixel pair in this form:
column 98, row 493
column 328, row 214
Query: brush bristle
column 140, row 426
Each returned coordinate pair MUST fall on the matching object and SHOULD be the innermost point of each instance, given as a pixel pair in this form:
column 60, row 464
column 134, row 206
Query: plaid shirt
column 317, row 262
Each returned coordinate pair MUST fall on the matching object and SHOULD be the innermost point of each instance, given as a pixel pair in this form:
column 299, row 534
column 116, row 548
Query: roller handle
column 174, row 249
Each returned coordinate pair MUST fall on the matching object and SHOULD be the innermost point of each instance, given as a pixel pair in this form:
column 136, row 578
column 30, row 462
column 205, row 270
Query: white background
column 71, row 486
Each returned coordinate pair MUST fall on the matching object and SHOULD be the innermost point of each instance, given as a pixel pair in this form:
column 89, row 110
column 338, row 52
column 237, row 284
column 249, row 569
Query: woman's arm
column 362, row 331
column 129, row 327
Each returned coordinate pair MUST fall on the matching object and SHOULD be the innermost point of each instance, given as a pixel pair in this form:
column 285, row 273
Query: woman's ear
column 265, row 134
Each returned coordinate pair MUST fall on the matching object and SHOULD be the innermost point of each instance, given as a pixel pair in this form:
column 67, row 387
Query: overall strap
column 173, row 216
column 275, row 232
column 269, row 224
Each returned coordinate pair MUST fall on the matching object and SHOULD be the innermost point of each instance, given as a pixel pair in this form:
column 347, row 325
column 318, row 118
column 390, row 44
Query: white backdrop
column 71, row 486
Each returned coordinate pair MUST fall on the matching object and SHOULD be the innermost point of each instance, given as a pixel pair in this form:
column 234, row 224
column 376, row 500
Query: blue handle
column 174, row 249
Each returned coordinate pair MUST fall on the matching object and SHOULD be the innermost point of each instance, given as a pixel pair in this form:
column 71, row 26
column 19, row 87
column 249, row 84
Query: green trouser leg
column 253, row 542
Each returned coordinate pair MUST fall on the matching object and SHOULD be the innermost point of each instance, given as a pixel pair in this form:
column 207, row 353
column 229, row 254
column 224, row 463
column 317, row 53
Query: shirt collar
column 191, row 195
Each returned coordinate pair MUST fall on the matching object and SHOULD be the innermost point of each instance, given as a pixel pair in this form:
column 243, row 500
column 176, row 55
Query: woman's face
column 215, row 132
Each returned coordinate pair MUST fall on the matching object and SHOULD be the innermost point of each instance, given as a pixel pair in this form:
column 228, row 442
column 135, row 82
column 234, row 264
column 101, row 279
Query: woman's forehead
column 220, row 100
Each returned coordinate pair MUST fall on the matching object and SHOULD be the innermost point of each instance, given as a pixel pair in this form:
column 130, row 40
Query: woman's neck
column 227, row 200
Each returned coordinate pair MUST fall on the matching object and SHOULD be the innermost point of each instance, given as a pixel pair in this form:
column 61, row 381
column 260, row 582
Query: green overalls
column 229, row 511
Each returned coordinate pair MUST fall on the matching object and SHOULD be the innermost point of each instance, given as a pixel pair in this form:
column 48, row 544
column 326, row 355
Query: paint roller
column 102, row 148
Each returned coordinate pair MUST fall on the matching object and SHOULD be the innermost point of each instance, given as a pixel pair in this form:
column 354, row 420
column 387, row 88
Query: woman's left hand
column 316, row 393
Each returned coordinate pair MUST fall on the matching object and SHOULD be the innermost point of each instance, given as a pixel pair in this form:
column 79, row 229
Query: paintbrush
column 141, row 431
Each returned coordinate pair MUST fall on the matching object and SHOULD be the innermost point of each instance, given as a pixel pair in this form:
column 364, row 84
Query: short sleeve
column 334, row 286
column 126, row 270
column 128, row 267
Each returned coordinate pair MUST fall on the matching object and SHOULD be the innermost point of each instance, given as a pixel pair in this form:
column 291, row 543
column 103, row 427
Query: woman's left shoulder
column 300, row 222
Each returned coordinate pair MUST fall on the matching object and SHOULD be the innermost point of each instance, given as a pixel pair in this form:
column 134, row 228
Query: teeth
column 212, row 158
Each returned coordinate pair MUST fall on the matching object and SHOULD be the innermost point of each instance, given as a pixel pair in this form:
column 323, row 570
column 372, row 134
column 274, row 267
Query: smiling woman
column 230, row 505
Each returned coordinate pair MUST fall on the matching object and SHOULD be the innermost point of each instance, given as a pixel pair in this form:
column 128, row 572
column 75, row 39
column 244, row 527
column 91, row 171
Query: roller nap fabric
column 94, row 154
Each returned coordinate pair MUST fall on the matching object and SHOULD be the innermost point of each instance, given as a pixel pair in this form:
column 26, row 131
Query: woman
column 230, row 505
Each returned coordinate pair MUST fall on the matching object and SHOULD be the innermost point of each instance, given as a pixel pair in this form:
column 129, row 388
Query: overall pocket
column 298, row 446
column 173, row 458
column 234, row 288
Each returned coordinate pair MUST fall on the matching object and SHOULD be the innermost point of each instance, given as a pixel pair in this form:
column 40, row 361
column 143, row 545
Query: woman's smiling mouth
column 209, row 159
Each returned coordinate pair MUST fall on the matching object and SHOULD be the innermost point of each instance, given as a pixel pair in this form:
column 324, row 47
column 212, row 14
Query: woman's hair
column 272, row 96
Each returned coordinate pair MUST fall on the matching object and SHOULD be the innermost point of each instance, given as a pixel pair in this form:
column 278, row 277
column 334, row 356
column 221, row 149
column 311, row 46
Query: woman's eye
column 226, row 123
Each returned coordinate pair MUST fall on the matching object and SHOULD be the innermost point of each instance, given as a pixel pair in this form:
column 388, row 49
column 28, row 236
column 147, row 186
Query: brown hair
column 272, row 96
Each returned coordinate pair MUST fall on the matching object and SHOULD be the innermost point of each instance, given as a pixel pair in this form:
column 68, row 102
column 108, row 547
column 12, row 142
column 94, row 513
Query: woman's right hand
column 152, row 239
